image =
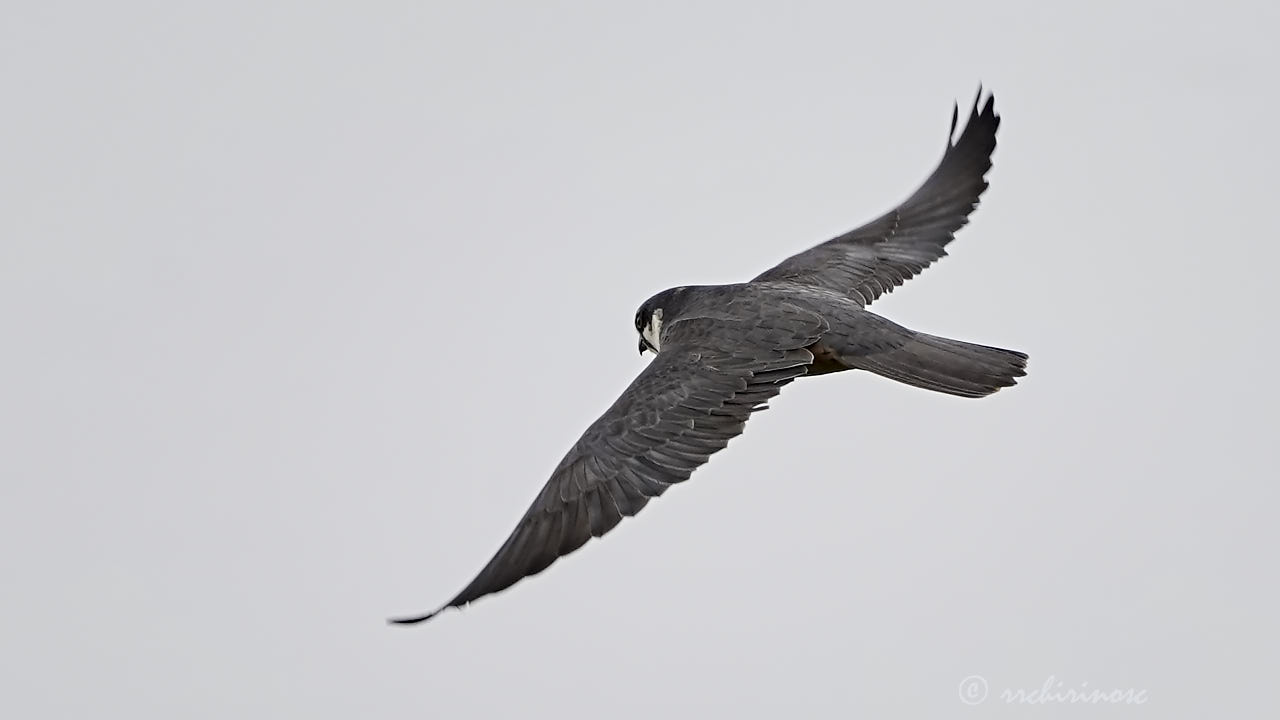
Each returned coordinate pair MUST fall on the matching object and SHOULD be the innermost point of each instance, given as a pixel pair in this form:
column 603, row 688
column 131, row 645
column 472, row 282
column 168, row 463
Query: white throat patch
column 653, row 330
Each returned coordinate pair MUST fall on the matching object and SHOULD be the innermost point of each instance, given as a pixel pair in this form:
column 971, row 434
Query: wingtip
column 416, row 619
column 979, row 106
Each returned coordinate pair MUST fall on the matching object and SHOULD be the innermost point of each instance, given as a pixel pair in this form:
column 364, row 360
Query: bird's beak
column 643, row 347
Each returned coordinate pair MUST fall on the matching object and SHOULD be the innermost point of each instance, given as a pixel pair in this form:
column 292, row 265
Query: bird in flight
column 722, row 351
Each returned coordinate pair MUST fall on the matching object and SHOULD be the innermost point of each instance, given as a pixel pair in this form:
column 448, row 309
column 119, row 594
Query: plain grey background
column 300, row 304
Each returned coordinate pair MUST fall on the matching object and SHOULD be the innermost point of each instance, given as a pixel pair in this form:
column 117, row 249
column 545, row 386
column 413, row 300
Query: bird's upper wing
column 688, row 403
column 877, row 257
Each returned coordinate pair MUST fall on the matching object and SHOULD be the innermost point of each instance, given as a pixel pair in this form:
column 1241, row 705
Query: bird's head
column 649, row 326
column 649, row 316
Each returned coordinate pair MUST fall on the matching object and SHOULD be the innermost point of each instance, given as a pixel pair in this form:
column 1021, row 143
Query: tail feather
column 948, row 366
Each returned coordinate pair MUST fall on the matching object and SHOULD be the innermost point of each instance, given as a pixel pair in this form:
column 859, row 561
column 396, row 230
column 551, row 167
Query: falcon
column 721, row 352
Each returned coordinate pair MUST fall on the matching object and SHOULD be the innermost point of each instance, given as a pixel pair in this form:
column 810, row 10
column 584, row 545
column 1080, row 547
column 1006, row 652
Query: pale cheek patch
column 653, row 330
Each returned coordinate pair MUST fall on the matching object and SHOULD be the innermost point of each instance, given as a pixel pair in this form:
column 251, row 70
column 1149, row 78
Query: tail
column 948, row 366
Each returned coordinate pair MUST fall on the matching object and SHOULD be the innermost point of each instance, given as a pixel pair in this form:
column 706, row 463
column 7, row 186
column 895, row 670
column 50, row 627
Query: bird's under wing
column 688, row 403
column 877, row 257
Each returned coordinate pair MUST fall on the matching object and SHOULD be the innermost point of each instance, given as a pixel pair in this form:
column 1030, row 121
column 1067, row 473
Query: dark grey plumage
column 873, row 259
column 724, row 350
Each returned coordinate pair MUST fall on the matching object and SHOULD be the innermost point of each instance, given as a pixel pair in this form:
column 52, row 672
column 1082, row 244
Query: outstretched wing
column 877, row 257
column 688, row 403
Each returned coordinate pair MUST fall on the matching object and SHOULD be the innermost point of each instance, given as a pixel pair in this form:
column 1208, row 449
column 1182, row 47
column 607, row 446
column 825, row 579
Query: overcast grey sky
column 300, row 304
